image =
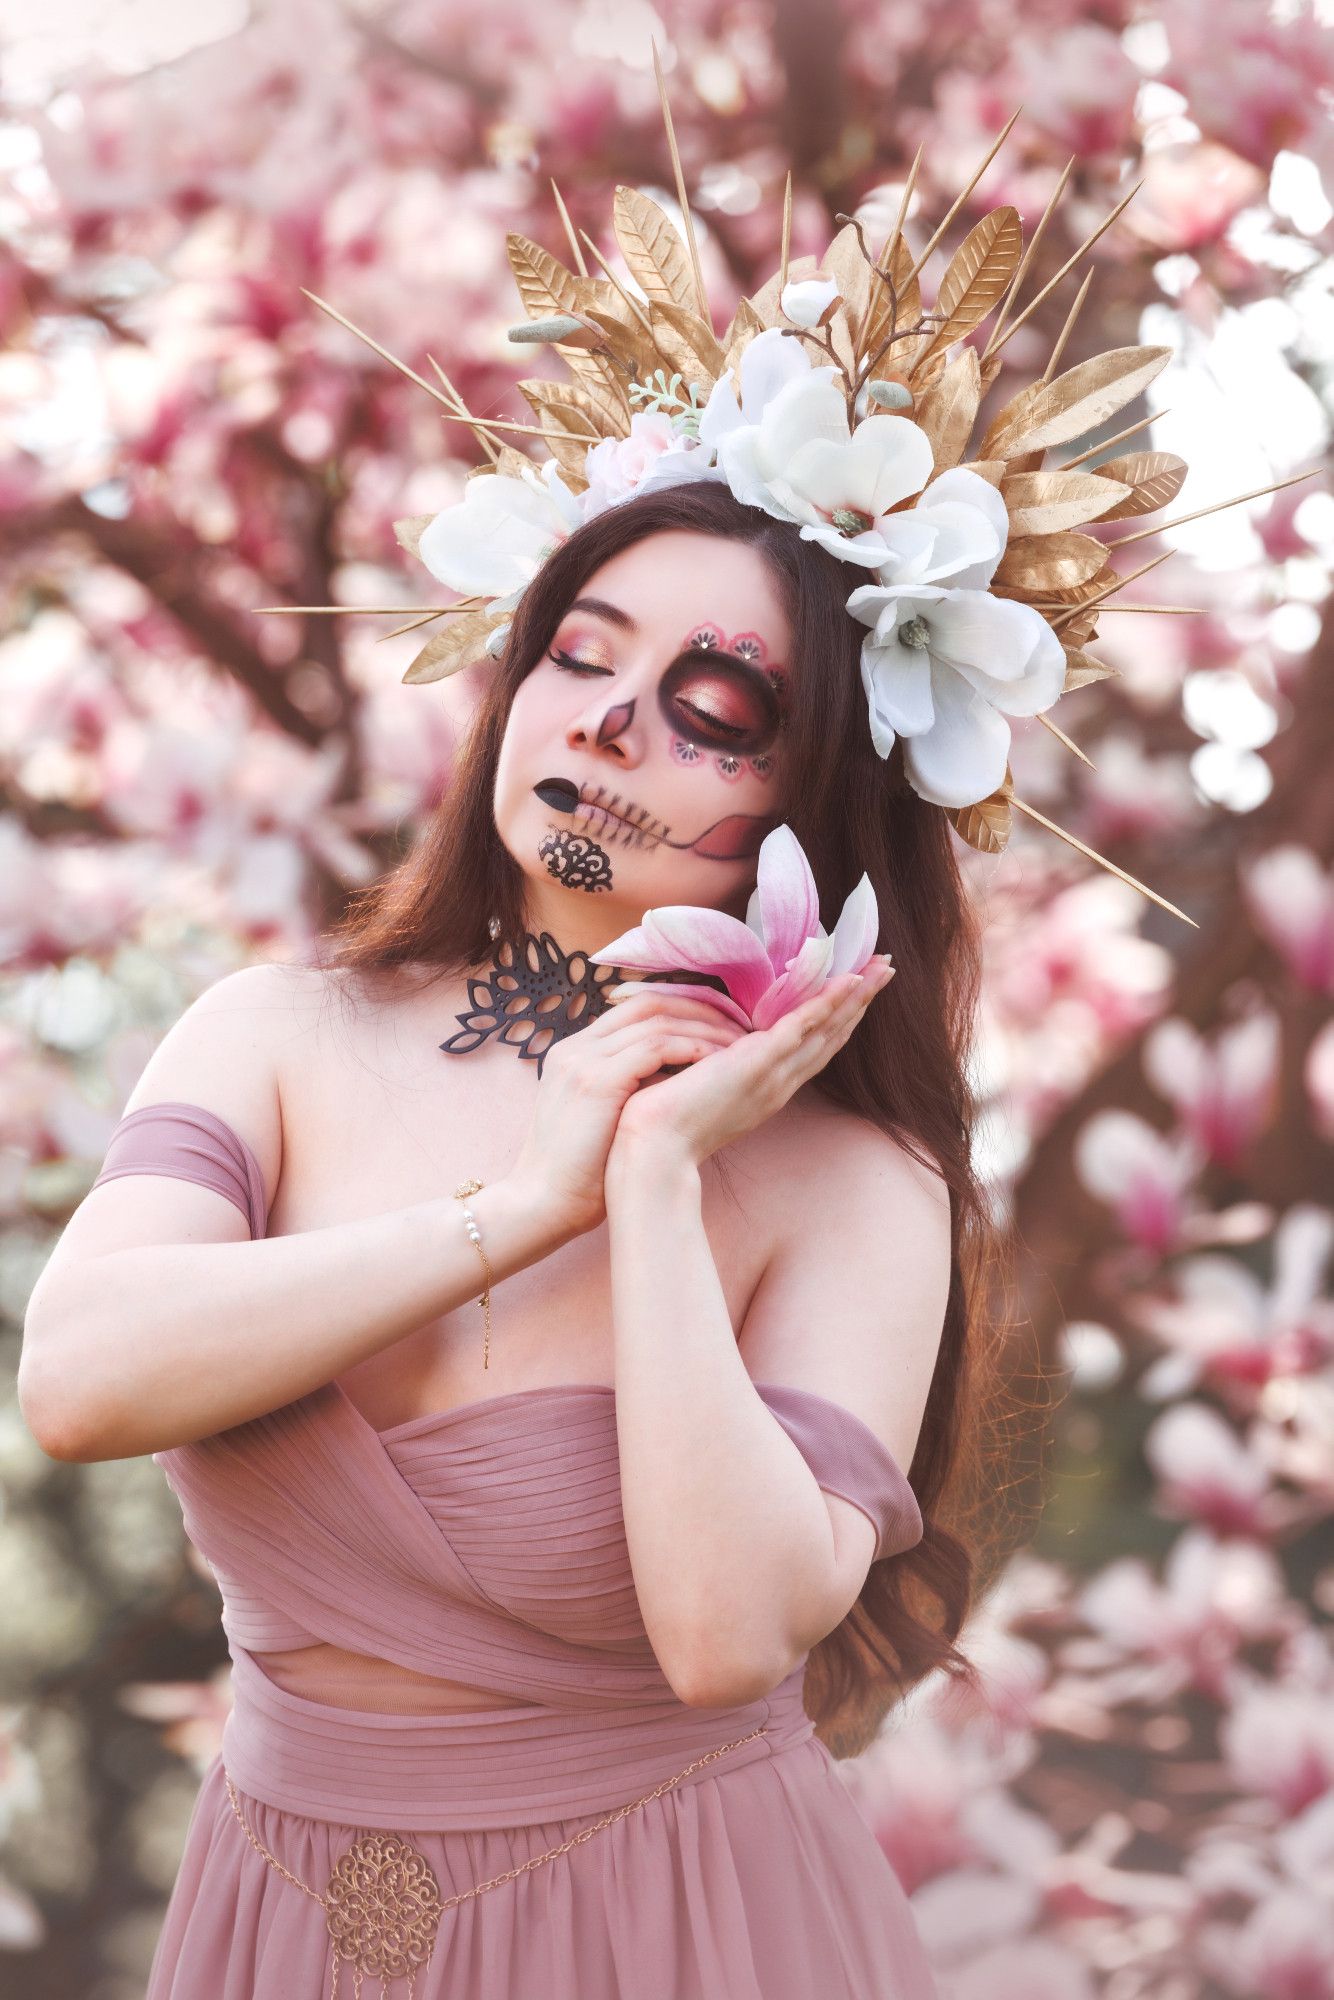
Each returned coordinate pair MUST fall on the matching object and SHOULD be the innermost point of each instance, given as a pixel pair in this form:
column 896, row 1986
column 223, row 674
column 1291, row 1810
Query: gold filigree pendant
column 383, row 1908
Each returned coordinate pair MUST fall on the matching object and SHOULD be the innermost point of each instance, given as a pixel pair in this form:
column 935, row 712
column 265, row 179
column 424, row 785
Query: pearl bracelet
column 474, row 1187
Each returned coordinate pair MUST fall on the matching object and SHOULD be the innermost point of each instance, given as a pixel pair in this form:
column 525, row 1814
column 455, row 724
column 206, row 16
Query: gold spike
column 1069, row 742
column 1022, row 272
column 1068, row 328
column 787, row 233
column 462, row 408
column 399, row 630
column 1156, row 527
column 629, row 297
column 1167, row 610
column 460, row 416
column 367, row 610
column 570, row 236
column 891, row 243
column 693, row 247
column 1108, row 589
column 1105, row 444
column 1073, row 259
column 961, row 198
column 1093, row 855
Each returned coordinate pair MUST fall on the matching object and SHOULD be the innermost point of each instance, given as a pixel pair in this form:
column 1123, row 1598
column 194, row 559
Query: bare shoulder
column 814, row 1143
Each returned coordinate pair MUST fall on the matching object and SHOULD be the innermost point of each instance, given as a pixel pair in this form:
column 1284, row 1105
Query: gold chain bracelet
column 467, row 1188
column 382, row 1902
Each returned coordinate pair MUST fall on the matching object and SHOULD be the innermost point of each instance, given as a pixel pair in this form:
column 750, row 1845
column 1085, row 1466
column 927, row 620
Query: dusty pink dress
column 486, row 1545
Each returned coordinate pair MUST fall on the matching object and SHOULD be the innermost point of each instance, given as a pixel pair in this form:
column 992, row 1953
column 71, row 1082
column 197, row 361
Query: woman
column 562, row 1607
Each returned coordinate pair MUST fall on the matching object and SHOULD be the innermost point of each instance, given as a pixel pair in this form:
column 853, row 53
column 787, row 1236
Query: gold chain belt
column 382, row 1902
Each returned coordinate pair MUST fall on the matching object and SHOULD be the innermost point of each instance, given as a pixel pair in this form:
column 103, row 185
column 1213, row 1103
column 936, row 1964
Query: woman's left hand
column 731, row 1090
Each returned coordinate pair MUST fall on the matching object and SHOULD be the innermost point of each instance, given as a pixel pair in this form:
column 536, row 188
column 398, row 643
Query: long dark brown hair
column 905, row 1069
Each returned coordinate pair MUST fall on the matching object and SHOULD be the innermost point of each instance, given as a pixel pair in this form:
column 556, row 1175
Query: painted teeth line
column 637, row 828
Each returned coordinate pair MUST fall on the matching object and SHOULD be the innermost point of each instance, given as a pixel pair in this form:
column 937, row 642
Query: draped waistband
column 472, row 1769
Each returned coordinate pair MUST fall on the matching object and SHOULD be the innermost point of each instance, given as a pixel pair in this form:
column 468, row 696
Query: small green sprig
column 674, row 397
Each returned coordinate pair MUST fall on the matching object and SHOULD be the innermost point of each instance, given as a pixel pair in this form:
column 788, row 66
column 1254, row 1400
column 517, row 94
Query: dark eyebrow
column 611, row 612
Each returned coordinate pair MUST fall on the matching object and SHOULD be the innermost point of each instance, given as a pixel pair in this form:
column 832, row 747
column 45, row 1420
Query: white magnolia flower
column 493, row 542
column 768, row 363
column 801, row 463
column 804, row 299
column 945, row 657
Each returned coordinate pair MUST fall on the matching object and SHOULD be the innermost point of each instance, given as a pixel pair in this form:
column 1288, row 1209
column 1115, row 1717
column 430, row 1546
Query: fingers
column 826, row 1022
column 633, row 1058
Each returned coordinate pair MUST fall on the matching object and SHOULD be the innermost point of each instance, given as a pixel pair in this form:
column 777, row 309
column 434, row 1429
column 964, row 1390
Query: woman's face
column 642, row 761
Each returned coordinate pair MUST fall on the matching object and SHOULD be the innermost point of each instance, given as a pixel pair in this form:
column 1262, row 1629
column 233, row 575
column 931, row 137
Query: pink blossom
column 1143, row 1174
column 1291, row 900
column 1279, row 1743
column 775, row 961
column 1187, row 1630
column 1206, row 1472
column 618, row 466
column 1221, row 1320
column 1223, row 1088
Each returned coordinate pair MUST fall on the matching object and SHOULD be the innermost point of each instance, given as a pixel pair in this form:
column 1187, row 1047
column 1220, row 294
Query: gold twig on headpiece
column 1157, row 527
column 628, row 297
column 1168, row 610
column 961, row 198
column 1068, row 741
column 1108, row 589
column 995, row 346
column 572, row 239
column 1068, row 328
column 1093, row 855
column 476, row 424
column 368, row 610
column 414, row 625
column 787, row 234
column 1012, row 290
column 702, row 296
column 462, row 409
column 1105, row 444
column 892, row 240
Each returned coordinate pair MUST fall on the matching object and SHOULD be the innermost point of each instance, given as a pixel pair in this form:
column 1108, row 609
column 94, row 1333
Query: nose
column 609, row 728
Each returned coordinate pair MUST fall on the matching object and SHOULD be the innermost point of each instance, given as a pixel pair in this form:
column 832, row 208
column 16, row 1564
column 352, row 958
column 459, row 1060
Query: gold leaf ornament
column 654, row 250
column 1048, row 413
column 461, row 644
column 947, row 410
column 1152, row 480
column 978, row 274
column 1043, row 503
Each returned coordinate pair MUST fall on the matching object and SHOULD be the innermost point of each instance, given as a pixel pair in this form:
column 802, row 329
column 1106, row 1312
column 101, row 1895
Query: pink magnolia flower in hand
column 775, row 961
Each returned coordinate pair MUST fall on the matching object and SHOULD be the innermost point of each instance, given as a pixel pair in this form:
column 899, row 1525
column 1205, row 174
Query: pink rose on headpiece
column 775, row 961
column 654, row 455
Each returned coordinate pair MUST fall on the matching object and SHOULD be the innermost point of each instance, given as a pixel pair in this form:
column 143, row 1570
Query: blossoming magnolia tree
column 1142, row 1800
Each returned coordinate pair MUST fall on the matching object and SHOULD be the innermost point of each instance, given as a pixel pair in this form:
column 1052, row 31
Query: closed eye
column 570, row 666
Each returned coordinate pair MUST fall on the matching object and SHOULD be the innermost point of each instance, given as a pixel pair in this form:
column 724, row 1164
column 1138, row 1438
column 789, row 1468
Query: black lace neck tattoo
column 532, row 992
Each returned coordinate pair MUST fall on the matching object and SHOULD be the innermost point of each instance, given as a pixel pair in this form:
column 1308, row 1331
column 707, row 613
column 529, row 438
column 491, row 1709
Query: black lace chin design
column 532, row 991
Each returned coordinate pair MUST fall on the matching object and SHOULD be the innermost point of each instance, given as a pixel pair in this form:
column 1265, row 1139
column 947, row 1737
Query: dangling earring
column 493, row 925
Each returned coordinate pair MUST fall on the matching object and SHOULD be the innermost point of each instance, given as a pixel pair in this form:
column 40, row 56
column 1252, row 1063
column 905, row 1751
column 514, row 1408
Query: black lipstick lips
column 558, row 792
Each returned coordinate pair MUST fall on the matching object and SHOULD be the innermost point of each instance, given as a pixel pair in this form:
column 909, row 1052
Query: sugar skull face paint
column 642, row 759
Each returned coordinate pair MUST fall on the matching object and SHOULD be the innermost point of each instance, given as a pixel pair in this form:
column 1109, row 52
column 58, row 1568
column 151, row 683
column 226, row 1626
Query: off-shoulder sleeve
column 848, row 1458
column 190, row 1144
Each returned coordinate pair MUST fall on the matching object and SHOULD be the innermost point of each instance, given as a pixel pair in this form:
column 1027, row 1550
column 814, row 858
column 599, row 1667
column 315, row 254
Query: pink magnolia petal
column 804, row 978
column 722, row 1001
column 789, row 904
column 680, row 937
column 856, row 931
column 706, row 940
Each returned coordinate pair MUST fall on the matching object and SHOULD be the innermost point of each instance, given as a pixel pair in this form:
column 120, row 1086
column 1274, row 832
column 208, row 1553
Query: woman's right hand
column 586, row 1080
